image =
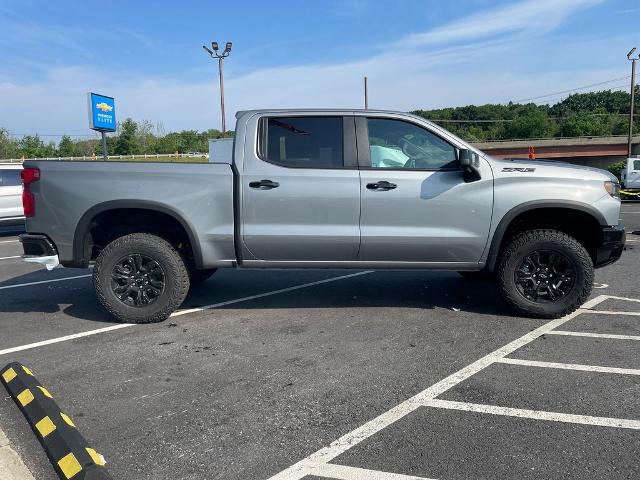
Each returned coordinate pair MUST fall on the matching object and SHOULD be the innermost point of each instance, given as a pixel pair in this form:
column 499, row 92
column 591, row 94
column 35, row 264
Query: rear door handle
column 381, row 185
column 264, row 184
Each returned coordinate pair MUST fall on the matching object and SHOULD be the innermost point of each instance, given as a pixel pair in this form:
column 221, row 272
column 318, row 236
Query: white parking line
column 595, row 335
column 613, row 297
column 569, row 366
column 9, row 258
column 535, row 414
column 182, row 312
column 267, row 294
column 343, row 472
column 44, row 281
column 65, row 338
column 302, row 468
column 613, row 312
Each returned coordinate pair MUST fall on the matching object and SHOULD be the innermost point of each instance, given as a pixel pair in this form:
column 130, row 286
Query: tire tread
column 145, row 240
column 513, row 247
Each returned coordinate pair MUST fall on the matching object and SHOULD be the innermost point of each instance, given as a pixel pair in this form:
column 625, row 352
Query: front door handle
column 264, row 184
column 381, row 185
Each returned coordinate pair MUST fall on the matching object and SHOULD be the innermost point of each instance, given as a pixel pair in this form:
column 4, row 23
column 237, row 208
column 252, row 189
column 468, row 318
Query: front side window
column 305, row 142
column 636, row 164
column 402, row 145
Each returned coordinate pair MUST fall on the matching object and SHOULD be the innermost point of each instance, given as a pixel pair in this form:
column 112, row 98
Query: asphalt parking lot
column 334, row 374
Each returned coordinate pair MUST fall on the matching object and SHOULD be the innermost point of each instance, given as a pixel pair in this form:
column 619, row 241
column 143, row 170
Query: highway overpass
column 593, row 151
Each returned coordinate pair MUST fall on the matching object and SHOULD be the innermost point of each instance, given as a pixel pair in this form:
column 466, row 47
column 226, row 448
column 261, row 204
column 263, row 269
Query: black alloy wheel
column 545, row 276
column 137, row 280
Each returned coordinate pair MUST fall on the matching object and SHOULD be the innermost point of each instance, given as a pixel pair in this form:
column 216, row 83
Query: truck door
column 300, row 190
column 416, row 206
column 632, row 179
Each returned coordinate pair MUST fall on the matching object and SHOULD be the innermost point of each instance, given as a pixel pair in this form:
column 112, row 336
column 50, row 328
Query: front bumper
column 612, row 245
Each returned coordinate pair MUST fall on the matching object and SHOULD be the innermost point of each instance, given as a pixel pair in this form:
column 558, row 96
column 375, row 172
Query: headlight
column 612, row 188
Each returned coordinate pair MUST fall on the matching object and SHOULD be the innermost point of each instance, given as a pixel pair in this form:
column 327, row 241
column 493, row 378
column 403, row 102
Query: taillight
column 29, row 175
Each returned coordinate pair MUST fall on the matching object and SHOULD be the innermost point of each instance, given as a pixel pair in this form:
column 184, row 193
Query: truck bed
column 200, row 196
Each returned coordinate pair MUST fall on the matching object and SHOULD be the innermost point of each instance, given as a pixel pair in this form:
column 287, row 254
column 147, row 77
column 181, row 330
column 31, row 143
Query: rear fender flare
column 82, row 228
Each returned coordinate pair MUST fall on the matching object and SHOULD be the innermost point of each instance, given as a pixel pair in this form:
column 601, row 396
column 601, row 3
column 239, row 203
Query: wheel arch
column 537, row 210
column 82, row 241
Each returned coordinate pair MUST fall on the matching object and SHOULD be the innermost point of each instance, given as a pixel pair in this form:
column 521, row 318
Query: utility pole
column 633, row 94
column 366, row 93
column 220, row 56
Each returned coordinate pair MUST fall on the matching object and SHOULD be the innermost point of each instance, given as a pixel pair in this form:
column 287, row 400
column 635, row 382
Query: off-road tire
column 176, row 277
column 518, row 247
column 199, row 276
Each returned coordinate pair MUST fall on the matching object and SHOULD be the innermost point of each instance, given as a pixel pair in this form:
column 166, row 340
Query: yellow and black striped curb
column 629, row 194
column 66, row 448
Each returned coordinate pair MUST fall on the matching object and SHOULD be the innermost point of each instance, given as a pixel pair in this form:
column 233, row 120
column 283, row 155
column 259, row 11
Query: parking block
column 68, row 451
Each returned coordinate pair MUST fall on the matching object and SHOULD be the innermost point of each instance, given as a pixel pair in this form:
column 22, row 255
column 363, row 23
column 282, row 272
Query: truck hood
column 565, row 167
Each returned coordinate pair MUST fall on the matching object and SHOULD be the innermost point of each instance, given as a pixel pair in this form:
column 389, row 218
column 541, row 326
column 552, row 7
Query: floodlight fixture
column 220, row 57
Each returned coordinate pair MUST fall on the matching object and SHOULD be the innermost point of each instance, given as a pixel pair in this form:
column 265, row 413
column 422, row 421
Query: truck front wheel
column 140, row 278
column 544, row 274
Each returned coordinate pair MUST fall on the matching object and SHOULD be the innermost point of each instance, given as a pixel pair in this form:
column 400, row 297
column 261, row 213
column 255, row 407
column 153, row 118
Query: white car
column 631, row 174
column 10, row 194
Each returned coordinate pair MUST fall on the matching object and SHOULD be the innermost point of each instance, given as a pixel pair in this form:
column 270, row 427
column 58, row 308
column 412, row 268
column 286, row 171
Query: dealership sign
column 102, row 113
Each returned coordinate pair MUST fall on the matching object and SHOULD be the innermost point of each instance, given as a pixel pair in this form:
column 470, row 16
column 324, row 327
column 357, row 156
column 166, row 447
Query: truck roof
column 321, row 110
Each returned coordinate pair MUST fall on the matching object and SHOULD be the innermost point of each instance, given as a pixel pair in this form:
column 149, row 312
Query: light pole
column 633, row 94
column 366, row 93
column 220, row 56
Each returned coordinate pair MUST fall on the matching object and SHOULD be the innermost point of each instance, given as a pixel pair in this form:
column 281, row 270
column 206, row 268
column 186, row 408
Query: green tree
column 535, row 123
column 126, row 140
column 31, row 146
column 8, row 145
column 66, row 147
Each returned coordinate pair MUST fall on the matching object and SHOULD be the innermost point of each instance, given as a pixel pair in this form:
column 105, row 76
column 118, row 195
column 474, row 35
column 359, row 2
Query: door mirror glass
column 470, row 163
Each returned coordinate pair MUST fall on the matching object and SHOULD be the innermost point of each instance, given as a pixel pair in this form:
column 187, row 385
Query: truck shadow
column 414, row 289
column 402, row 289
column 75, row 298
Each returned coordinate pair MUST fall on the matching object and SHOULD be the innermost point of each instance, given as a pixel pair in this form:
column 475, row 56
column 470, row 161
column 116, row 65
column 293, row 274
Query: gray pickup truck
column 326, row 189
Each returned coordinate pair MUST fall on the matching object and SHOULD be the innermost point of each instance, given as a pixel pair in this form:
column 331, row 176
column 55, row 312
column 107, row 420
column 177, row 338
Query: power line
column 623, row 86
column 574, row 89
column 502, row 120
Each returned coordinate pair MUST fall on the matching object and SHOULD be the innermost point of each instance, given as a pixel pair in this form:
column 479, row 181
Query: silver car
column 10, row 194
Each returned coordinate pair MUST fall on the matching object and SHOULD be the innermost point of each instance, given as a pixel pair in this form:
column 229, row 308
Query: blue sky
column 416, row 53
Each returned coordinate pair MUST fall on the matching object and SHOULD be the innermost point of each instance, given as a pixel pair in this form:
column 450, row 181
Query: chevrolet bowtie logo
column 104, row 107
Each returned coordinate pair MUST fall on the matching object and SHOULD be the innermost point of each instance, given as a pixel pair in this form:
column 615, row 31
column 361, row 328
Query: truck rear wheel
column 140, row 278
column 544, row 274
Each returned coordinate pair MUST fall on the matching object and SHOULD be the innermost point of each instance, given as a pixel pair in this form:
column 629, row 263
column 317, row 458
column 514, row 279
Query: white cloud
column 537, row 16
column 410, row 78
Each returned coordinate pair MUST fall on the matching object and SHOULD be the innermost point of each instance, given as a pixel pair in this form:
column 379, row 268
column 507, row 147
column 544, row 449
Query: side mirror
column 470, row 163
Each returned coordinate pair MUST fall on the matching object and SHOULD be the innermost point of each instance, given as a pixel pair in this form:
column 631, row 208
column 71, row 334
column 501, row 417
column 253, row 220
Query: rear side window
column 636, row 164
column 304, row 142
column 10, row 178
